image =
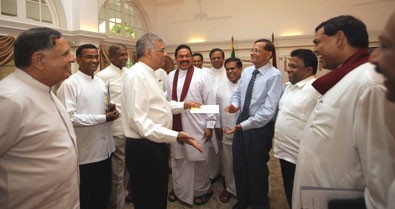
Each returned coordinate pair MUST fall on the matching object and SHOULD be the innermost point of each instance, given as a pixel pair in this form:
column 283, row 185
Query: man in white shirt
column 86, row 100
column 384, row 59
column 112, row 77
column 38, row 151
column 297, row 101
column 189, row 167
column 147, row 122
column 216, row 75
column 227, row 120
column 348, row 141
column 197, row 60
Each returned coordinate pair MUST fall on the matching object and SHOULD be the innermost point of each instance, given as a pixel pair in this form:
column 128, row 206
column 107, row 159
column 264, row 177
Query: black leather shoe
column 129, row 199
column 239, row 206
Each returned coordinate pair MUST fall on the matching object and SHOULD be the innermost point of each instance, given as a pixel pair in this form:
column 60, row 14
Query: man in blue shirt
column 257, row 98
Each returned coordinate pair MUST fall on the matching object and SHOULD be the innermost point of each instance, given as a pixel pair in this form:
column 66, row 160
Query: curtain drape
column 6, row 49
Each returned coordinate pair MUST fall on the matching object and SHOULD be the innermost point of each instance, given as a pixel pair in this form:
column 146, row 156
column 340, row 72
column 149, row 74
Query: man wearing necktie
column 257, row 96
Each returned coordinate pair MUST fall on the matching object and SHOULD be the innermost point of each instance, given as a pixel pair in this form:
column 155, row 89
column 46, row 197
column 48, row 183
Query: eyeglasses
column 255, row 50
column 160, row 50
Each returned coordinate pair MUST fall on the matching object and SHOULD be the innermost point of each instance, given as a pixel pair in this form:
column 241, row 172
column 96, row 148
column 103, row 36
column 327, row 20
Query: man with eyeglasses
column 147, row 122
column 257, row 96
column 190, row 171
column 297, row 102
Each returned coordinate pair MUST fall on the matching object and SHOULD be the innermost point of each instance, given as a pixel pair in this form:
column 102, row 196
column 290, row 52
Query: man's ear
column 309, row 71
column 340, row 38
column 37, row 60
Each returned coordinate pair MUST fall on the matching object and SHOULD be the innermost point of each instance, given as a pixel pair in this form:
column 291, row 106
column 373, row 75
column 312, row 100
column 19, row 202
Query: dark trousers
column 288, row 173
column 95, row 184
column 250, row 156
column 148, row 166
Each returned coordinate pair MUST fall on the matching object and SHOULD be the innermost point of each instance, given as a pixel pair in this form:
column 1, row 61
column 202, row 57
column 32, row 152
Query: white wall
column 252, row 19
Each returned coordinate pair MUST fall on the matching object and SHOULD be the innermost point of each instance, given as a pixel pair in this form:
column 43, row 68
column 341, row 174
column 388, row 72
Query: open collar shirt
column 265, row 96
column 296, row 104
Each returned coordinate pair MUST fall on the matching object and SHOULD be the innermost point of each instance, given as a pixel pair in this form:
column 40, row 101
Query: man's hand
column 112, row 114
column 231, row 109
column 186, row 138
column 233, row 130
column 208, row 133
column 189, row 105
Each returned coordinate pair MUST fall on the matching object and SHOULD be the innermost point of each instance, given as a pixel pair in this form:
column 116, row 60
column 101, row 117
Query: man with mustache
column 38, row 151
column 189, row 166
column 347, row 142
column 384, row 59
column 85, row 98
column 227, row 120
column 297, row 102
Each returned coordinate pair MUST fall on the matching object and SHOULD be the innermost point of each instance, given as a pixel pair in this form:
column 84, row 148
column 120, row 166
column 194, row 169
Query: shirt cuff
column 210, row 124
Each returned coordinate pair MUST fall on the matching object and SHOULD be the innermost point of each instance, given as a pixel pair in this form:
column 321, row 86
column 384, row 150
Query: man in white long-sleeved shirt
column 297, row 101
column 112, row 76
column 190, row 168
column 85, row 99
column 216, row 75
column 147, row 121
column 38, row 151
column 233, row 67
column 384, row 59
column 348, row 141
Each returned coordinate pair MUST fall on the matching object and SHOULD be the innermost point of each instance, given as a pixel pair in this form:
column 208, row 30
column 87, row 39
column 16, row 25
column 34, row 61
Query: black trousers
column 250, row 156
column 95, row 184
column 288, row 173
column 148, row 166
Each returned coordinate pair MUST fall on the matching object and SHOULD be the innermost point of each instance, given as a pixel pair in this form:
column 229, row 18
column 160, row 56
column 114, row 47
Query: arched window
column 30, row 10
column 121, row 18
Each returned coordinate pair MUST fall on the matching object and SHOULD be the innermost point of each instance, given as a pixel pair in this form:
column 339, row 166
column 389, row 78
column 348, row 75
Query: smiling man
column 189, row 166
column 38, row 152
column 84, row 96
column 227, row 120
column 347, row 142
column 384, row 59
column 257, row 96
column 298, row 100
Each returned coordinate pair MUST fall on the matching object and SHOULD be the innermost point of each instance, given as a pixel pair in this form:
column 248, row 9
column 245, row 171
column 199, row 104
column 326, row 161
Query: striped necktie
column 250, row 88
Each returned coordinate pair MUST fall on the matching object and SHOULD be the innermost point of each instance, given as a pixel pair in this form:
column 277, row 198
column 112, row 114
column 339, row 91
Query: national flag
column 274, row 59
column 233, row 55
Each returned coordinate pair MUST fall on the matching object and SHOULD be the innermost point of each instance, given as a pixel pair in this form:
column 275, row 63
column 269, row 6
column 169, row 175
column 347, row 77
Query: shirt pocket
column 324, row 121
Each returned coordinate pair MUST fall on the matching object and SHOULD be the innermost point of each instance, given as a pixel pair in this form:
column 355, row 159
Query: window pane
column 8, row 7
column 46, row 14
column 32, row 10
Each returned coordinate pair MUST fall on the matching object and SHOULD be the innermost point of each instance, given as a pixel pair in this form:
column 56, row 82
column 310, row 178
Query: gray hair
column 147, row 41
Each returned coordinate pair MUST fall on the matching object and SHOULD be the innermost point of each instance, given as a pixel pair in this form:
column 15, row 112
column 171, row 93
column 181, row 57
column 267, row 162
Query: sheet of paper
column 208, row 109
column 318, row 197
